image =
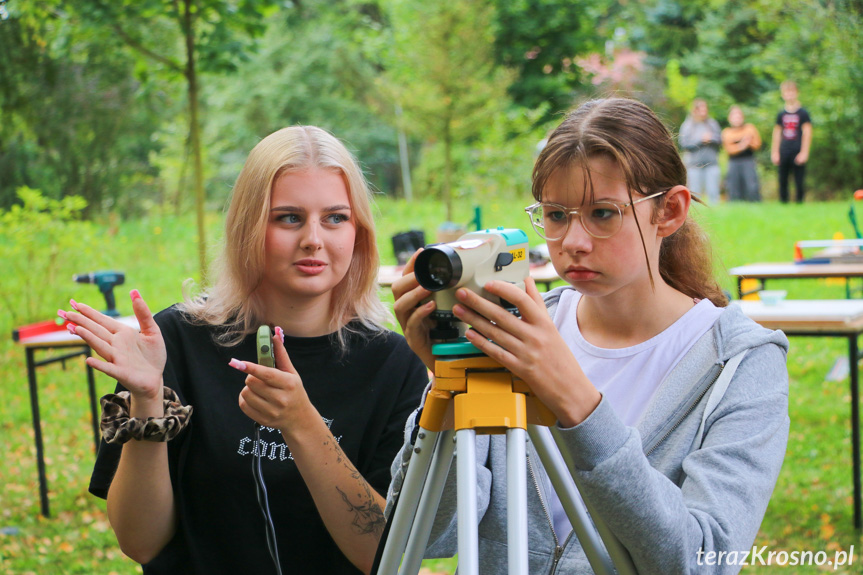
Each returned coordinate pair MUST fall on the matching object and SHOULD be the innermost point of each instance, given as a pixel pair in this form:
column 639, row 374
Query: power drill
column 105, row 281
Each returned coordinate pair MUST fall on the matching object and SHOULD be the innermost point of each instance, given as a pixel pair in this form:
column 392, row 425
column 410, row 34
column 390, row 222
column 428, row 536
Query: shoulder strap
column 720, row 386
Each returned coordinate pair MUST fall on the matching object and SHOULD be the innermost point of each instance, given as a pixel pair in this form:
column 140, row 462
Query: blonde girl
column 195, row 418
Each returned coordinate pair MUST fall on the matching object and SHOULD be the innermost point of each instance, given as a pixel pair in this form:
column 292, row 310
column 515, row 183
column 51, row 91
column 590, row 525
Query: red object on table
column 38, row 328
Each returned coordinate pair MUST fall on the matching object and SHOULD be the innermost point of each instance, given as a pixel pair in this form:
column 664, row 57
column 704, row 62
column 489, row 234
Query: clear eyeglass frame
column 538, row 227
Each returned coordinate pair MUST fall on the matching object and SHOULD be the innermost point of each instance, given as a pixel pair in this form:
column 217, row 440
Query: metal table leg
column 37, row 432
column 32, row 365
column 94, row 411
column 853, row 357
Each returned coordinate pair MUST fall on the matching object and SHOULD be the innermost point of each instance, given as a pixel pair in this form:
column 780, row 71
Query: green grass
column 810, row 509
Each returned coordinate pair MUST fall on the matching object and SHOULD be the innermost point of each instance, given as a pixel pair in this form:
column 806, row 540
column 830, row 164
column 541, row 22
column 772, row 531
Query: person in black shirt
column 792, row 137
column 299, row 254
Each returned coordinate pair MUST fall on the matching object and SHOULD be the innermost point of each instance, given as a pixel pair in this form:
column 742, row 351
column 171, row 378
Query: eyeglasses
column 600, row 219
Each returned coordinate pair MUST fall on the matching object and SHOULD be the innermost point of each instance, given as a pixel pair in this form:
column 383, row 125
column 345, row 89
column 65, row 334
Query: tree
column 441, row 70
column 213, row 36
column 728, row 57
column 666, row 28
column 311, row 67
column 540, row 40
column 72, row 121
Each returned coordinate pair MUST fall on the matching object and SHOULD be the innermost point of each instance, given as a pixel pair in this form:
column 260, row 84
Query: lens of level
column 438, row 268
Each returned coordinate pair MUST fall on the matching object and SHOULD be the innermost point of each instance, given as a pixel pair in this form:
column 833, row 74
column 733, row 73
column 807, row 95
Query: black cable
column 263, row 502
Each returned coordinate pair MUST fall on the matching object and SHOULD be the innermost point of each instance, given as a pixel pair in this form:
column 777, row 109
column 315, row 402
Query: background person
column 700, row 138
column 299, row 254
column 792, row 139
column 741, row 141
column 625, row 357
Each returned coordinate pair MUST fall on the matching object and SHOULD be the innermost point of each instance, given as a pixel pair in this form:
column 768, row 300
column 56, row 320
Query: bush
column 43, row 242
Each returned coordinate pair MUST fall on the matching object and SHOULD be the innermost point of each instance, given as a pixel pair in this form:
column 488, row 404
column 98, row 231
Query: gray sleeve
column 687, row 138
column 725, row 485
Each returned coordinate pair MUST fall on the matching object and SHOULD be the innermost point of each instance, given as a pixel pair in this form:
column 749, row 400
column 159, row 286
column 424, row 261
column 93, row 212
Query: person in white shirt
column 627, row 357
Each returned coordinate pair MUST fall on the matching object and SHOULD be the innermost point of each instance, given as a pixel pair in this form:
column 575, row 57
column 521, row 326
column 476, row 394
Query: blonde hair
column 630, row 134
column 231, row 303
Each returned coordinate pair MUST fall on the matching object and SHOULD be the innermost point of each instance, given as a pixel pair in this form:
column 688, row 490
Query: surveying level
column 470, row 262
column 474, row 394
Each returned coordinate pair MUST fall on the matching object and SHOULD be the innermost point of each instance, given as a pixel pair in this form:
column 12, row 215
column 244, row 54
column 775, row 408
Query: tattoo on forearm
column 368, row 515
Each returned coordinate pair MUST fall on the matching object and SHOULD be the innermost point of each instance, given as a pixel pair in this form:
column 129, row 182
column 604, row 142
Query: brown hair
column 629, row 133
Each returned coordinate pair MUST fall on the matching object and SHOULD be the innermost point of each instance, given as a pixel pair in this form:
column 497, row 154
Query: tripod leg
column 516, row 499
column 429, row 502
column 405, row 510
column 565, row 488
column 468, row 528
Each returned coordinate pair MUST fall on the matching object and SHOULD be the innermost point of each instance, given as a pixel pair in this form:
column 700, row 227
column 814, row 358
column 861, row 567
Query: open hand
column 134, row 358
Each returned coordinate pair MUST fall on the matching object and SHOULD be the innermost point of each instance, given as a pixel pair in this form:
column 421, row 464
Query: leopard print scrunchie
column 118, row 427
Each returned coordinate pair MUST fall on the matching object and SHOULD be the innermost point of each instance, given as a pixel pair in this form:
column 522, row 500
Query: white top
column 628, row 377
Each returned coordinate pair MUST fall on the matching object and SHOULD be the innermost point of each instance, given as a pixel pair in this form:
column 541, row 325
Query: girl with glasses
column 320, row 429
column 678, row 460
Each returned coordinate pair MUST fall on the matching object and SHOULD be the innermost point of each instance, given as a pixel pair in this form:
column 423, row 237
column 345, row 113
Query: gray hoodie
column 696, row 152
column 665, row 491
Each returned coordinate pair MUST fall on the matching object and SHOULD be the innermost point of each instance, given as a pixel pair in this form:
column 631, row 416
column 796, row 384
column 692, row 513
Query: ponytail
column 686, row 264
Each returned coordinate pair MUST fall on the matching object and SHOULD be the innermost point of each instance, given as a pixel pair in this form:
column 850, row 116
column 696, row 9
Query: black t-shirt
column 792, row 130
column 364, row 395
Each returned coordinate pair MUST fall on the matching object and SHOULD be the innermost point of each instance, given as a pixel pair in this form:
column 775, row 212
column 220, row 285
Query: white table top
column 792, row 270
column 845, row 315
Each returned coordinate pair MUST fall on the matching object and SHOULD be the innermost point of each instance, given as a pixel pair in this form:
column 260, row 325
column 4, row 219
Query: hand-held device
column 265, row 347
column 264, row 344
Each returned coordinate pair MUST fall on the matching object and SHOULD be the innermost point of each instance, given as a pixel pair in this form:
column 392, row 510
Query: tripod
column 471, row 395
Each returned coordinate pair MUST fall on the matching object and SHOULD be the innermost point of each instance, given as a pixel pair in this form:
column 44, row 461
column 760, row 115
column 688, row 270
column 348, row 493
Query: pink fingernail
column 61, row 313
column 71, row 328
column 74, row 304
column 280, row 333
column 237, row 364
column 135, row 294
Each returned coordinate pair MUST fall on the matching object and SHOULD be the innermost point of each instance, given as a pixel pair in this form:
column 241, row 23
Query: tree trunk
column 177, row 199
column 447, row 169
column 195, row 137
